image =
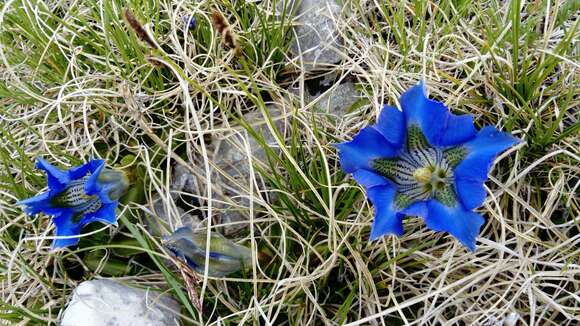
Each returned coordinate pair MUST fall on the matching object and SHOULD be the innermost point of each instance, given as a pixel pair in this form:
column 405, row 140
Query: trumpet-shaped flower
column 77, row 197
column 225, row 256
column 424, row 161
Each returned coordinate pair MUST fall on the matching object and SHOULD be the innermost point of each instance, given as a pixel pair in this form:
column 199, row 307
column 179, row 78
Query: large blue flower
column 78, row 197
column 424, row 161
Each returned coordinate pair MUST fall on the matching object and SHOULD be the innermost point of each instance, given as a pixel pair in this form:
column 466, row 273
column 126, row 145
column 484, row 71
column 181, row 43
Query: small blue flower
column 424, row 161
column 190, row 21
column 78, row 197
column 225, row 256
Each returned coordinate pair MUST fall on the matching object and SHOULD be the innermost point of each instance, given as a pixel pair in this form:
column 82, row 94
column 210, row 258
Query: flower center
column 433, row 179
column 423, row 175
column 74, row 197
column 421, row 172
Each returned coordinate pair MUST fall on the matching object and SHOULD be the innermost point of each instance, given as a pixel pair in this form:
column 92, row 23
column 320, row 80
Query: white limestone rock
column 108, row 303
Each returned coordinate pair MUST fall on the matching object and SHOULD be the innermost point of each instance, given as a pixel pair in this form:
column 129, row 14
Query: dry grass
column 79, row 84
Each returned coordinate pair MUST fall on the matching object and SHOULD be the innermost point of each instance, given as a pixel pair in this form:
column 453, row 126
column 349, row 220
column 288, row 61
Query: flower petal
column 416, row 209
column 429, row 115
column 441, row 127
column 366, row 146
column 463, row 225
column 106, row 214
column 81, row 171
column 36, row 204
column 65, row 226
column 387, row 220
column 93, row 187
column 392, row 126
column 458, row 130
column 482, row 151
column 471, row 192
column 369, row 179
column 57, row 179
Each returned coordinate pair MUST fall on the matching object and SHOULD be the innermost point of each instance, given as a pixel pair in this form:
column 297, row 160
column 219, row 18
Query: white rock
column 108, row 303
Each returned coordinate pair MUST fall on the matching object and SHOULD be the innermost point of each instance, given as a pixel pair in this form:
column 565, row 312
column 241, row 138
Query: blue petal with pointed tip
column 36, row 204
column 463, row 225
column 392, row 126
column 458, row 130
column 105, row 214
column 81, row 171
column 386, row 220
column 65, row 226
column 429, row 115
column 441, row 127
column 57, row 179
column 482, row 151
column 471, row 192
column 472, row 172
column 92, row 187
column 366, row 146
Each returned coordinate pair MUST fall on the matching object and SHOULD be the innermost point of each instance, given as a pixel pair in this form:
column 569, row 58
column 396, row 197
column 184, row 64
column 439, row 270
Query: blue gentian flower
column 190, row 21
column 77, row 197
column 225, row 256
column 424, row 161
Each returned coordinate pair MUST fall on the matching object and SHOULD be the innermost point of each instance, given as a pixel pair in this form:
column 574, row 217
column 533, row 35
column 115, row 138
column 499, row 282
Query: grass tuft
column 78, row 82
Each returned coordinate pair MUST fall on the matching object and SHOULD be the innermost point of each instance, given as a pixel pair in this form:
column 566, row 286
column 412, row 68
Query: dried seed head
column 219, row 21
column 138, row 29
column 222, row 26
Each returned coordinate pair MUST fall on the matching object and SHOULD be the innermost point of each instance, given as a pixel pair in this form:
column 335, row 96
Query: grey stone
column 231, row 150
column 184, row 186
column 337, row 100
column 232, row 159
column 230, row 185
column 167, row 218
column 317, row 39
column 106, row 303
column 183, row 180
